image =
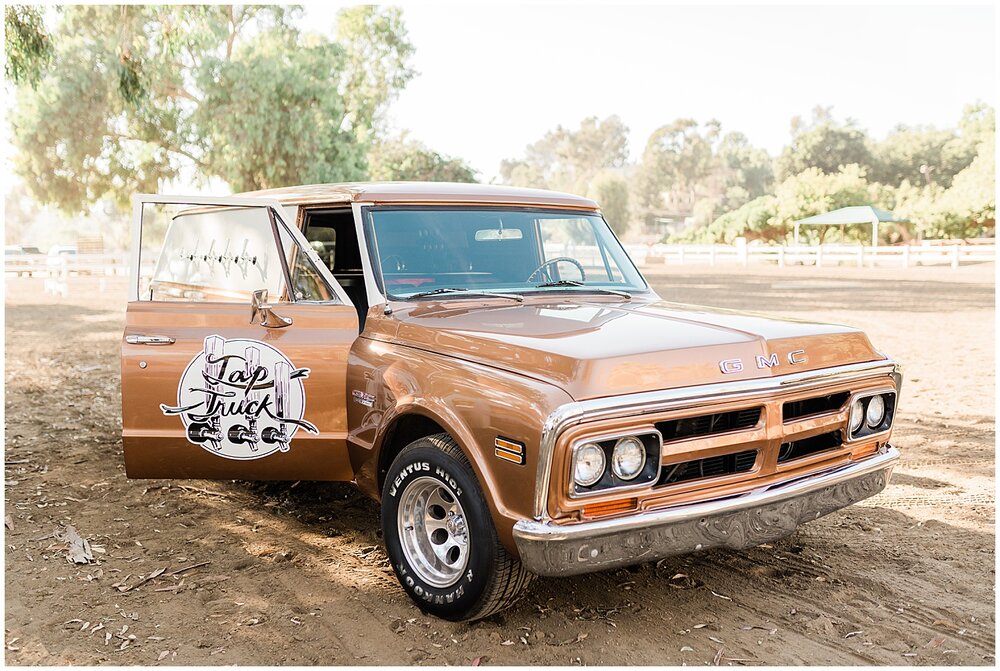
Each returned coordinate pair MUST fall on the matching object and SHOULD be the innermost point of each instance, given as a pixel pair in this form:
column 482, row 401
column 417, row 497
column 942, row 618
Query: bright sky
column 494, row 79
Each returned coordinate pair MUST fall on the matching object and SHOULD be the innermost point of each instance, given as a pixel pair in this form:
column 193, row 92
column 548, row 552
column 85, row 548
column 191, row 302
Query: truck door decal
column 241, row 399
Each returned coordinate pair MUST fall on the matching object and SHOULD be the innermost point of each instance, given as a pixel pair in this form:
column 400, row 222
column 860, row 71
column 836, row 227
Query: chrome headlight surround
column 648, row 474
column 859, row 406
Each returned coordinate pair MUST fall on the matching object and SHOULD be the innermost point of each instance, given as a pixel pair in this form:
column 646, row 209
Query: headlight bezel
column 866, row 431
column 648, row 474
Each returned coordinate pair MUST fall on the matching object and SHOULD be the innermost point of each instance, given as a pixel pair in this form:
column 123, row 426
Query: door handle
column 149, row 340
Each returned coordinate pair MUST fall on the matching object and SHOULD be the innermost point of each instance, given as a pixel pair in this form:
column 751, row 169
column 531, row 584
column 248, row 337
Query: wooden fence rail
column 902, row 256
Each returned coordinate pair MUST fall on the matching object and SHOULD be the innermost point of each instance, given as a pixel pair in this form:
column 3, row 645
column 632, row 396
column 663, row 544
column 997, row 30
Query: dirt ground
column 197, row 572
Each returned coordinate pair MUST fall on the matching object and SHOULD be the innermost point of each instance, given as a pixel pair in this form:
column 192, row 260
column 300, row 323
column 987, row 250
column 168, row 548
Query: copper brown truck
column 488, row 365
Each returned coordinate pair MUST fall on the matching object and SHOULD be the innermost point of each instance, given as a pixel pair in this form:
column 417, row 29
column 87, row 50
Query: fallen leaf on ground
column 751, row 627
column 77, row 547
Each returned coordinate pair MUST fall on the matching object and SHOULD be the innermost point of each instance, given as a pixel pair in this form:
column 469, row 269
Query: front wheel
column 440, row 536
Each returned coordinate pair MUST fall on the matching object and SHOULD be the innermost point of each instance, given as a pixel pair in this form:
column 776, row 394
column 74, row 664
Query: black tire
column 493, row 580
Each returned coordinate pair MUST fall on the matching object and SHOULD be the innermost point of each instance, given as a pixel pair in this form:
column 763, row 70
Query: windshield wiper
column 573, row 283
column 467, row 292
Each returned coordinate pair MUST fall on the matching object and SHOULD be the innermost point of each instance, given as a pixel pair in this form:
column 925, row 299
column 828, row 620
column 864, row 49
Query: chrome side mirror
column 261, row 309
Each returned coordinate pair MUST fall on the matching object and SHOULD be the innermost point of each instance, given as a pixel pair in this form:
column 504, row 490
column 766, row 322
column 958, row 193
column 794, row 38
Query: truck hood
column 596, row 348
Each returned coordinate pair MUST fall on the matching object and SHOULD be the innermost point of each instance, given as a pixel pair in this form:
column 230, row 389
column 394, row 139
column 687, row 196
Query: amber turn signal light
column 609, row 507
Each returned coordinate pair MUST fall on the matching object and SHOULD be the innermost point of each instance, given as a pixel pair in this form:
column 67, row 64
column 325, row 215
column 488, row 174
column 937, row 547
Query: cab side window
column 200, row 253
column 222, row 254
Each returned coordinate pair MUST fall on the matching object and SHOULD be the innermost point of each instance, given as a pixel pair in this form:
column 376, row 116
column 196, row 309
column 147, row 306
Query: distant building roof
column 859, row 214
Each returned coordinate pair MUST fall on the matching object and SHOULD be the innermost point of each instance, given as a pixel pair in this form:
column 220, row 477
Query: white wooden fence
column 42, row 265
column 903, row 256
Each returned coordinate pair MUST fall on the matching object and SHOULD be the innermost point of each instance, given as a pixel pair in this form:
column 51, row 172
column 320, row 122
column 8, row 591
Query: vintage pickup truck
column 490, row 366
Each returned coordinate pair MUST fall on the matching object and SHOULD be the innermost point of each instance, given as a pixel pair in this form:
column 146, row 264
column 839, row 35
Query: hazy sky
column 493, row 79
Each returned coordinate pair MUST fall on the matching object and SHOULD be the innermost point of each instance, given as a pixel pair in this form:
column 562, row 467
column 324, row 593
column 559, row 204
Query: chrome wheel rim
column 433, row 532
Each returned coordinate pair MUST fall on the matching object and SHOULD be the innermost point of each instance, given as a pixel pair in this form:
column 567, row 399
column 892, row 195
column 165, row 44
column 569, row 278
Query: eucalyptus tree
column 132, row 96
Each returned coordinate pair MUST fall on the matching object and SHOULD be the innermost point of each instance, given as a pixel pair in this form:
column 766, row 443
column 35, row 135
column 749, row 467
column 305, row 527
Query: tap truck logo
column 241, row 399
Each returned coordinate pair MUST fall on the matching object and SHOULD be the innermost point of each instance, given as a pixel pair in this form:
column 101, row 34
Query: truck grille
column 710, row 467
column 706, row 425
column 797, row 449
column 813, row 406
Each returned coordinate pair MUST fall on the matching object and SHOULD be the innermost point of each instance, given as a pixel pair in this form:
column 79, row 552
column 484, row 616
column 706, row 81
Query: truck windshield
column 508, row 251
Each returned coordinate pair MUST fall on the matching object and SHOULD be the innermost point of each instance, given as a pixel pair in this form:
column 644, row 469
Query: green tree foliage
column 771, row 217
column 611, row 192
column 965, row 209
column 301, row 139
column 942, row 182
column 677, row 156
column 568, row 160
column 924, row 155
column 403, row 159
column 740, row 173
column 378, row 51
column 28, row 46
column 914, row 155
column 139, row 93
column 826, row 146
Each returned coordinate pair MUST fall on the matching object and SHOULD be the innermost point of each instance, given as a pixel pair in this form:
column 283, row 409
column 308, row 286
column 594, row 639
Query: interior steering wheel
column 551, row 262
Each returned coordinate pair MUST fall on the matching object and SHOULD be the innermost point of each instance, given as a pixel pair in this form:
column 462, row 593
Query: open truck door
column 234, row 356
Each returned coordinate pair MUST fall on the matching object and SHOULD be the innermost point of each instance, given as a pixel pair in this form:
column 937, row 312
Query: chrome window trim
column 612, row 435
column 375, row 295
column 684, row 397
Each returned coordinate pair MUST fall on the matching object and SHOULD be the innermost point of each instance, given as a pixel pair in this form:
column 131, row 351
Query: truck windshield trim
column 502, row 250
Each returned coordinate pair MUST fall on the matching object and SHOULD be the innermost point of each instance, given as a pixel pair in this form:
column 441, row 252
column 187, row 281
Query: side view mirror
column 261, row 310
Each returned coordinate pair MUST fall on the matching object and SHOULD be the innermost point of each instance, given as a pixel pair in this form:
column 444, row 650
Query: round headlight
column 628, row 458
column 876, row 411
column 857, row 415
column 589, row 465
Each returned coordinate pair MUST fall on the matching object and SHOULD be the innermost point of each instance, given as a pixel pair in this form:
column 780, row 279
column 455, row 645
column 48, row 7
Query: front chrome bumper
column 736, row 522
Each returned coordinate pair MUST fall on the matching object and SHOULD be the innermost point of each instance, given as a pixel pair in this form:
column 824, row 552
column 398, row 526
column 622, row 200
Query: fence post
column 711, row 255
column 954, row 256
column 682, row 255
column 861, row 256
column 906, row 256
column 819, row 256
column 781, row 256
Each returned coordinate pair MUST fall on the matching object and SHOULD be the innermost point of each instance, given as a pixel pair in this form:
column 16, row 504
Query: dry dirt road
column 295, row 574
